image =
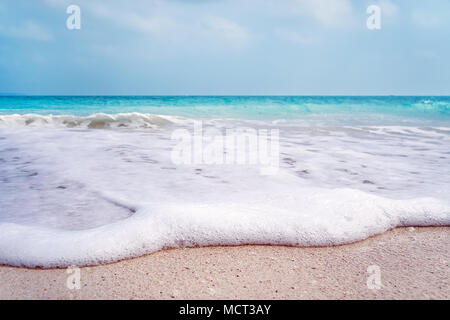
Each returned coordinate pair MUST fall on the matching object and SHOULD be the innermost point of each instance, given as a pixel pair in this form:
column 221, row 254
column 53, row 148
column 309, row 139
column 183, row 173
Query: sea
column 88, row 180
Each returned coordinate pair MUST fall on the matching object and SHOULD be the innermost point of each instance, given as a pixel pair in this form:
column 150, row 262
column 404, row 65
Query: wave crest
column 95, row 121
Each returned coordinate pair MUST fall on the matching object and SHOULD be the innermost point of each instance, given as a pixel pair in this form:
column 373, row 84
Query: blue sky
column 225, row 47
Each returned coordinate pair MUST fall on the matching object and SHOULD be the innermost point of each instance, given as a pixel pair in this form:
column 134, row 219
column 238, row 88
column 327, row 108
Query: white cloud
column 137, row 15
column 175, row 21
column 326, row 12
column 154, row 24
column 28, row 30
column 225, row 30
column 388, row 8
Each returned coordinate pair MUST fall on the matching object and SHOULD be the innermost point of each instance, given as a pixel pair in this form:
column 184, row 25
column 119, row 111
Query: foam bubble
column 322, row 218
column 78, row 196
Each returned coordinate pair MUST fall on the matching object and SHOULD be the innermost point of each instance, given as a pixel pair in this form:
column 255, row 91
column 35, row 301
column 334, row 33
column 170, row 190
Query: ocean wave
column 96, row 121
column 87, row 197
column 321, row 218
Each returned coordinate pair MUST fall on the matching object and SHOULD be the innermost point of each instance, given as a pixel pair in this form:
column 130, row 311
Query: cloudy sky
column 225, row 47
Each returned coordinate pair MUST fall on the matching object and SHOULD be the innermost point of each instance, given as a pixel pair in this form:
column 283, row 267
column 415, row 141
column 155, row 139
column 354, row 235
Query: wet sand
column 413, row 264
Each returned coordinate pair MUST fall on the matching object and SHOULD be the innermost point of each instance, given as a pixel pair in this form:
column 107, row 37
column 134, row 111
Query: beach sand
column 413, row 262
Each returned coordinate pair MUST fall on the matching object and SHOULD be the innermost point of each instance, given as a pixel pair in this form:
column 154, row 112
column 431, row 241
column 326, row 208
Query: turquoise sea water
column 89, row 180
column 351, row 110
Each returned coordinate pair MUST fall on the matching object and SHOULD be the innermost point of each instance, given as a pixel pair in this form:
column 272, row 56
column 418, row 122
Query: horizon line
column 216, row 95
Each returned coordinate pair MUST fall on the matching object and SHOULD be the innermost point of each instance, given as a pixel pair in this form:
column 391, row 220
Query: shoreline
column 413, row 263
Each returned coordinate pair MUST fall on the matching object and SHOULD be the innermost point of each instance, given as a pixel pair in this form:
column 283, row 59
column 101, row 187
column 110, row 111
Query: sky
column 225, row 47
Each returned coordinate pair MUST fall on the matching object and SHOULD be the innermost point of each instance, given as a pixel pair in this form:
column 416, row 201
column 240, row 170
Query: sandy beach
column 413, row 264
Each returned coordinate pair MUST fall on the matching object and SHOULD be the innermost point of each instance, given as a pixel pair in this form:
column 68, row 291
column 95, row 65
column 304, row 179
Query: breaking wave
column 96, row 121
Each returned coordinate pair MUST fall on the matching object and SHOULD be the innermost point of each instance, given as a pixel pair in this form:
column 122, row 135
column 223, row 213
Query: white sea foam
column 71, row 196
column 320, row 218
column 97, row 121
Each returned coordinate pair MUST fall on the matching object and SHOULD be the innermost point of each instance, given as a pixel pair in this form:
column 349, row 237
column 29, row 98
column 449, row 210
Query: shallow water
column 78, row 187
